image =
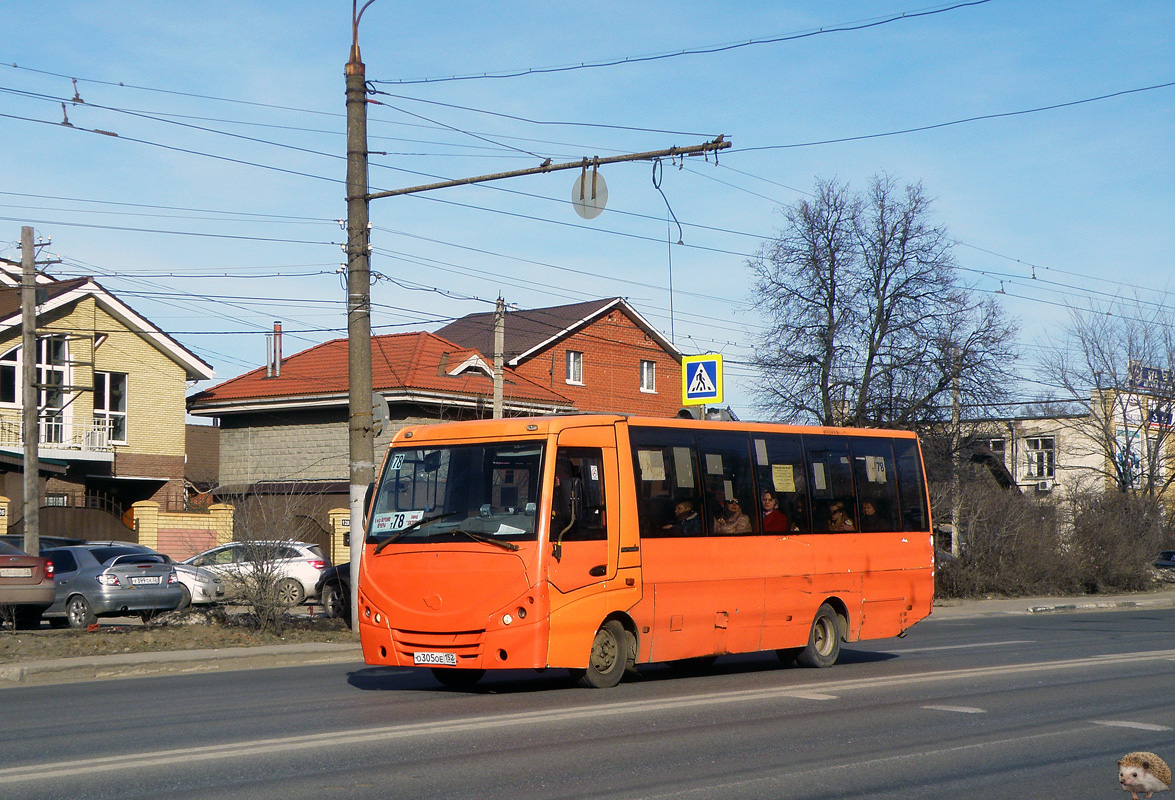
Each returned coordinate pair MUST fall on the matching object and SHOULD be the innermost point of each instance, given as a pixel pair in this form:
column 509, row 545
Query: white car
column 299, row 565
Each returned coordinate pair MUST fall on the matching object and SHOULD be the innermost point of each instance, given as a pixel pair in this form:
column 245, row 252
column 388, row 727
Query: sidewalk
column 990, row 607
column 134, row 665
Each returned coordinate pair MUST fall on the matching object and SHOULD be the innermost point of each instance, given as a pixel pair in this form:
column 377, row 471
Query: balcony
column 60, row 439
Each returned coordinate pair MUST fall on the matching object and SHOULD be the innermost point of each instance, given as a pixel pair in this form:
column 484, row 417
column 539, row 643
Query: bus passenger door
column 583, row 542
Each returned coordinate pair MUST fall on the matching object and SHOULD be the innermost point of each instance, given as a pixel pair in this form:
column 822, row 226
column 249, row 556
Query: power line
column 854, row 26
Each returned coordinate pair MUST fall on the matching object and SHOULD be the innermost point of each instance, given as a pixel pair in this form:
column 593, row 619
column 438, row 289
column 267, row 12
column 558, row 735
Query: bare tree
column 868, row 323
column 1117, row 361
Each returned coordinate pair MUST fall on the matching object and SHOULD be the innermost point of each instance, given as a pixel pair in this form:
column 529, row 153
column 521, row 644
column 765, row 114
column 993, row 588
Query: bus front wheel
column 823, row 640
column 608, row 658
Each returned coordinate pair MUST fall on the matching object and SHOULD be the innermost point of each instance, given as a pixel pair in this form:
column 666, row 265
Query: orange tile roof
column 402, row 361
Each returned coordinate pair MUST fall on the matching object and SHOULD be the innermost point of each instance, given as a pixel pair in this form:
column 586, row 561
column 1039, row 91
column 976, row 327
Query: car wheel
column 186, row 600
column 608, row 658
column 457, row 678
column 823, row 640
column 335, row 602
column 78, row 612
column 290, row 592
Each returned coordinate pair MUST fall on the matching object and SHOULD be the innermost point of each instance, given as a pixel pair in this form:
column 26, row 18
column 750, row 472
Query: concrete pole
column 361, row 428
column 499, row 345
column 30, row 394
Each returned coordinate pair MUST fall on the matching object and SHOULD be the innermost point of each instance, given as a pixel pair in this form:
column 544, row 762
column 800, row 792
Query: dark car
column 109, row 580
column 45, row 541
column 1166, row 560
column 26, row 586
column 334, row 592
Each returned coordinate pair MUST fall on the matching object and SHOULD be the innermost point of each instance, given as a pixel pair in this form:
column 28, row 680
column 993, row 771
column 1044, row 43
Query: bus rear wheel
column 457, row 678
column 608, row 658
column 823, row 640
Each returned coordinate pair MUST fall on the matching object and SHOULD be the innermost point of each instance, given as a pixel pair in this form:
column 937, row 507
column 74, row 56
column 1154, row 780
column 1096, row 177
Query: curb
column 137, row 665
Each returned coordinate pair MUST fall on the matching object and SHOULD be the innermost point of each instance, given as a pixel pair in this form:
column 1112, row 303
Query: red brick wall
column 613, row 348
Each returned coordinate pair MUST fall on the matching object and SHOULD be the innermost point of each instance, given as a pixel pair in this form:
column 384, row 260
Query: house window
column 1041, row 456
column 574, row 366
column 110, row 403
column 52, row 378
column 648, row 376
column 995, row 445
column 8, row 369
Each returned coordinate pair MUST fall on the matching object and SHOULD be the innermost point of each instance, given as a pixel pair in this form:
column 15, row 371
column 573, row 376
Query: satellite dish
column 379, row 412
column 589, row 194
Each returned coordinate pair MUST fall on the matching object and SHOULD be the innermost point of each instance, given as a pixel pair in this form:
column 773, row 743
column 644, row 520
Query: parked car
column 299, row 565
column 26, row 586
column 1166, row 560
column 101, row 580
column 45, row 541
column 201, row 586
column 334, row 592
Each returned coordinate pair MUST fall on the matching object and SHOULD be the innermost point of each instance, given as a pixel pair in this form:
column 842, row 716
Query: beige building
column 111, row 401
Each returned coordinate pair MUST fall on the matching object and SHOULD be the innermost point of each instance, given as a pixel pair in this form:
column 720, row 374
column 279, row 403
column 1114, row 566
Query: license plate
column 435, row 659
column 16, row 572
column 145, row 580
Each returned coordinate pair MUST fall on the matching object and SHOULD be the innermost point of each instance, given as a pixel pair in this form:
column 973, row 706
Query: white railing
column 93, row 437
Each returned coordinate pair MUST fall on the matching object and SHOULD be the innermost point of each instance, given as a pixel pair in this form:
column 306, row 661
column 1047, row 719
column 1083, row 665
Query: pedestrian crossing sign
column 701, row 379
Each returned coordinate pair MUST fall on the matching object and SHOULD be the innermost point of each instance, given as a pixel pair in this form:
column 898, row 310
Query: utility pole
column 956, row 461
column 359, row 382
column 361, row 430
column 499, row 344
column 29, row 396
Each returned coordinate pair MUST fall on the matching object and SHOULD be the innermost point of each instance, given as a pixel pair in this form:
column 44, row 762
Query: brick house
column 111, row 419
column 283, row 449
column 284, row 427
column 601, row 354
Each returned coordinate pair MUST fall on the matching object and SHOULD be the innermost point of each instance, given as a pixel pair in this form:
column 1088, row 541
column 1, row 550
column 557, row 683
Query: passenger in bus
column 686, row 521
column 774, row 520
column 838, row 520
column 733, row 521
column 870, row 519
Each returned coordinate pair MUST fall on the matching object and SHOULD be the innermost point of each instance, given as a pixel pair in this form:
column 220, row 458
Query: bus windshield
column 479, row 492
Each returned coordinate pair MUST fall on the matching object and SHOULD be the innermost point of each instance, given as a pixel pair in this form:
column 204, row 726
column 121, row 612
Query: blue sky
column 213, row 211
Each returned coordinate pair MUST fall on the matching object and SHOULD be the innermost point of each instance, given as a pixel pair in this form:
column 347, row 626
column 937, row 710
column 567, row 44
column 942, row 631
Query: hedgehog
column 1143, row 772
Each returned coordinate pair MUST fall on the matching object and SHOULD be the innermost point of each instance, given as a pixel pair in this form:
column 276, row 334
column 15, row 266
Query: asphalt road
column 1001, row 707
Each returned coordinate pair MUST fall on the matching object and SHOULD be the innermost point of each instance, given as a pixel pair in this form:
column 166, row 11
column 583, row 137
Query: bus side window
column 666, row 478
column 779, row 467
column 725, row 460
column 831, row 477
column 876, row 479
column 911, row 488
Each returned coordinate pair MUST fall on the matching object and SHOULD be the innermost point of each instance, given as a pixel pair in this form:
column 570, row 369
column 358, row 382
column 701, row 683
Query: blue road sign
column 701, row 379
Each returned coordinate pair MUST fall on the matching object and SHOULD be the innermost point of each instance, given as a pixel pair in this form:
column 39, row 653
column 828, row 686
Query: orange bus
column 598, row 543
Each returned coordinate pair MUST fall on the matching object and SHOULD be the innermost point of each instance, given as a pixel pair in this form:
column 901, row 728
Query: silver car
column 109, row 580
column 201, row 586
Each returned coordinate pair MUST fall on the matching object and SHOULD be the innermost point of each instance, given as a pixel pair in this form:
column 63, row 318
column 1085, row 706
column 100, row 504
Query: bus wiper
column 400, row 534
column 477, row 537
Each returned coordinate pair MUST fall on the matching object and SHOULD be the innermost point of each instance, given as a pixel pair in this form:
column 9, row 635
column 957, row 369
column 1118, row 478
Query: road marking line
column 528, row 719
column 957, row 709
column 960, row 646
column 1122, row 723
column 812, row 696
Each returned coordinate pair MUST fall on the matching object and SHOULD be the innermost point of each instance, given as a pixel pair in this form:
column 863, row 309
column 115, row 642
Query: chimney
column 273, row 342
